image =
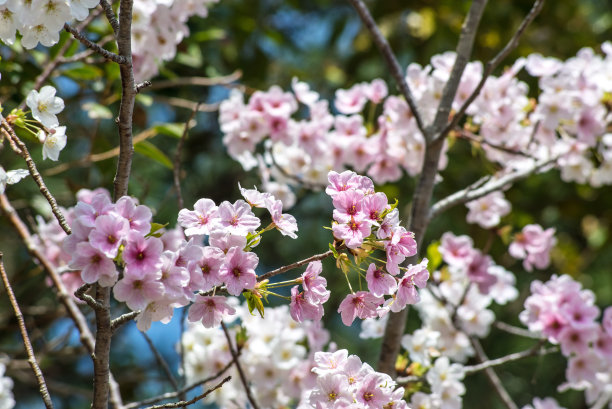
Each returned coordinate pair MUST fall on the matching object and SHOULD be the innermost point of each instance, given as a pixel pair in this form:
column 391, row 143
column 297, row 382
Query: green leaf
column 254, row 302
column 149, row 150
column 171, row 129
column 155, row 227
column 208, row 35
column 434, row 256
column 83, row 72
column 97, row 111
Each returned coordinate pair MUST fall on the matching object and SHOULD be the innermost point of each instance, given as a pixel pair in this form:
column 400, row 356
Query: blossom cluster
column 39, row 21
column 469, row 283
column 445, row 380
column 533, row 245
column 155, row 271
column 158, row 26
column 344, row 381
column 565, row 313
column 308, row 304
column 364, row 218
column 277, row 356
column 304, row 137
column 6, row 386
column 45, row 105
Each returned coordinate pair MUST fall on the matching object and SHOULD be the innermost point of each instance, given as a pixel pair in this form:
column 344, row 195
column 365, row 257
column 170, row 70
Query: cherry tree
column 112, row 261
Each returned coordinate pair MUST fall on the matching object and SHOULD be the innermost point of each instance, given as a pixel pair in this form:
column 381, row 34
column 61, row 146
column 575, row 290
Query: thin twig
column 535, row 351
column 297, row 264
column 95, row 47
column 497, row 183
column 395, row 69
column 22, row 151
column 184, row 403
column 110, row 15
column 243, row 378
column 160, row 361
column 470, row 136
column 197, row 81
column 42, row 386
column 142, row 85
column 511, row 329
column 185, row 103
column 88, row 299
column 97, row 157
column 122, row 319
column 176, row 164
column 492, row 64
column 171, row 395
column 86, row 337
column 492, row 376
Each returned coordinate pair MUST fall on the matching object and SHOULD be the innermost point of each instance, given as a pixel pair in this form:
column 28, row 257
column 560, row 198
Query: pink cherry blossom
column 315, row 286
column 352, row 100
column 285, row 223
column 488, row 210
column 347, row 205
column 533, row 245
column 237, row 218
column 415, row 276
column 201, row 220
column 94, row 265
column 238, row 272
column 142, row 255
column 108, row 234
column 138, row 291
column 139, row 216
column 380, row 282
column 205, row 270
column 302, row 308
column 401, row 244
column 362, row 304
column 209, row 310
column 353, row 233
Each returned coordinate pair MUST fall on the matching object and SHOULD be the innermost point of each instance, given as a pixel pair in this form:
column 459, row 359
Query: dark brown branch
column 20, row 148
column 390, row 59
column 160, row 361
column 88, row 299
column 119, row 321
column 492, row 376
column 110, row 56
column 396, row 324
column 492, row 64
column 297, row 264
column 110, row 15
column 171, row 395
column 184, row 403
column 243, row 378
column 40, row 379
column 176, row 164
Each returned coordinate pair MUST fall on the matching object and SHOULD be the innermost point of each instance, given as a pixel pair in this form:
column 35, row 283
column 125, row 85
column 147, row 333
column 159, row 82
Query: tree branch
column 110, row 15
column 478, row 189
column 160, row 361
column 197, row 81
column 492, row 64
column 492, row 376
column 20, row 148
column 119, row 321
column 110, row 56
column 297, row 264
column 182, row 391
column 40, row 379
column 390, row 59
column 88, row 299
column 536, row 350
column 243, row 378
column 176, row 165
column 183, row 403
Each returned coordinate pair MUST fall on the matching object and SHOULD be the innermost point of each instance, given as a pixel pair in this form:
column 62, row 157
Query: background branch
column 243, row 378
column 42, row 386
